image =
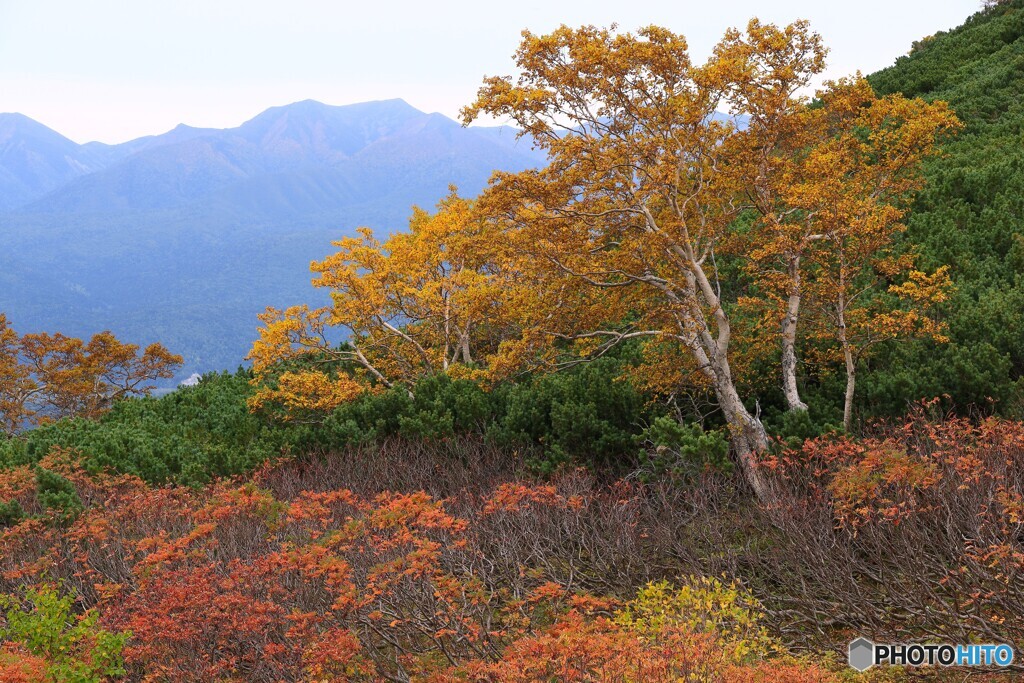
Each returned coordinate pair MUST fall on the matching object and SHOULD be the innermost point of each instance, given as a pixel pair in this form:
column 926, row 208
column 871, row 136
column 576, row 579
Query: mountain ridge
column 292, row 136
column 35, row 159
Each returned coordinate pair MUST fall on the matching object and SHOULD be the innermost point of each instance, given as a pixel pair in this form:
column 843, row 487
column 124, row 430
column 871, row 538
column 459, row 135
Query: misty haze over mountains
column 184, row 237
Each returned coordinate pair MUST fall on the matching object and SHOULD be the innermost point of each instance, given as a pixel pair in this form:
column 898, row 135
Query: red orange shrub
column 18, row 666
column 233, row 583
column 915, row 531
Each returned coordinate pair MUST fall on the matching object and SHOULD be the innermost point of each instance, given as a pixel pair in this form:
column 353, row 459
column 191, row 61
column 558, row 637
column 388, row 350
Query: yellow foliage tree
column 831, row 188
column 645, row 183
column 648, row 192
column 423, row 302
column 648, row 188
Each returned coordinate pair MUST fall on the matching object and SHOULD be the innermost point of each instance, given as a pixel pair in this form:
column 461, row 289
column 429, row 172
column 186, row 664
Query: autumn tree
column 15, row 382
column 856, row 317
column 47, row 376
column 647, row 179
column 422, row 302
column 831, row 186
column 633, row 231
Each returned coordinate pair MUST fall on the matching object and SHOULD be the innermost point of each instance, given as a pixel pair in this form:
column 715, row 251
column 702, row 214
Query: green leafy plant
column 76, row 649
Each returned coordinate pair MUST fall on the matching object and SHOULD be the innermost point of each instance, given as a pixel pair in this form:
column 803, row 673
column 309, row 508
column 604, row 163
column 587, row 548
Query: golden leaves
column 307, row 391
column 430, row 300
column 287, row 334
column 646, row 183
column 47, row 376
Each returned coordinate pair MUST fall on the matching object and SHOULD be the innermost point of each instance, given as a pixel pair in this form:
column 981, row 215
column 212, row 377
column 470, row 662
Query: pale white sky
column 112, row 70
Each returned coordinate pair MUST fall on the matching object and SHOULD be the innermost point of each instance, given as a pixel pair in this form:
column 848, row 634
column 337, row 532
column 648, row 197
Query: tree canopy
column 45, row 377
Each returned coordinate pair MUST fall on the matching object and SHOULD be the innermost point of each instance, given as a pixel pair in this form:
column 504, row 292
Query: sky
column 114, row 70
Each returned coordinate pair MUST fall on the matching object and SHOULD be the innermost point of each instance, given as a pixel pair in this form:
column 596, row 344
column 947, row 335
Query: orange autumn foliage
column 954, row 487
column 45, row 377
column 304, row 573
column 235, row 582
column 19, row 666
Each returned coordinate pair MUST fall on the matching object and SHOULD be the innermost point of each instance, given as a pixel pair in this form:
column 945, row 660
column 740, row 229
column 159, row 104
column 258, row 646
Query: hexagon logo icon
column 862, row 654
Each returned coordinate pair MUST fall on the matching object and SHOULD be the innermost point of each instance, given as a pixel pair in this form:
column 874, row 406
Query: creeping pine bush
column 591, row 416
column 794, row 427
column 588, row 416
column 682, row 450
column 73, row 649
column 57, row 495
column 439, row 407
column 190, row 436
column 11, row 513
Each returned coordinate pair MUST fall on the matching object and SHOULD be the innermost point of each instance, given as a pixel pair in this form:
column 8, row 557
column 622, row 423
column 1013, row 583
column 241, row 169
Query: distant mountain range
column 183, row 237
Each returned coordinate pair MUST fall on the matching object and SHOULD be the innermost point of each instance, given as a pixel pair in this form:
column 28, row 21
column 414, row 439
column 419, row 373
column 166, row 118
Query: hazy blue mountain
column 110, row 154
column 302, row 158
column 183, row 237
column 35, row 160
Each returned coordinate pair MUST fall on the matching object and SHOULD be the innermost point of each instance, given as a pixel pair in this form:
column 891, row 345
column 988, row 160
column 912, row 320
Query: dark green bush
column 440, row 407
column 795, row 426
column 11, row 513
column 591, row 415
column 682, row 450
column 189, row 436
column 58, row 495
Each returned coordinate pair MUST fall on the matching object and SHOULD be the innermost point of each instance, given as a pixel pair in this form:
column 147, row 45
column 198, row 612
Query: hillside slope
column 971, row 216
